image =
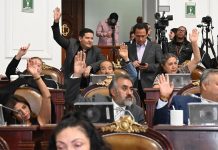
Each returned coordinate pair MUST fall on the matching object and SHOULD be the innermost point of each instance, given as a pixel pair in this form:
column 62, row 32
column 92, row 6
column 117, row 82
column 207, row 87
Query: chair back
column 32, row 96
column 129, row 135
column 55, row 73
column 190, row 89
column 3, row 144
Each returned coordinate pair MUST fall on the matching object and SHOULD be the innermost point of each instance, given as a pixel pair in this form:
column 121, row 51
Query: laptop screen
column 96, row 78
column 97, row 112
column 203, row 114
column 180, row 79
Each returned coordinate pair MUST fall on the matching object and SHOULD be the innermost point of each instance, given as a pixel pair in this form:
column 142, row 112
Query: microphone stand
column 8, row 108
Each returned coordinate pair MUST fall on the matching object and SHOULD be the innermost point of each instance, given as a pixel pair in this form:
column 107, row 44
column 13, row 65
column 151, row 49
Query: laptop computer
column 97, row 112
column 96, row 78
column 203, row 114
column 180, row 79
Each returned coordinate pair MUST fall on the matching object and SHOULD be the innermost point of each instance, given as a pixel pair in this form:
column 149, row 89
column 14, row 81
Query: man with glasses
column 180, row 46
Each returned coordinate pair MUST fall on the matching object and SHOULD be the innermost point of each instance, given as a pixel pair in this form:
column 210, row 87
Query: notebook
column 97, row 112
column 180, row 79
column 203, row 114
column 96, row 78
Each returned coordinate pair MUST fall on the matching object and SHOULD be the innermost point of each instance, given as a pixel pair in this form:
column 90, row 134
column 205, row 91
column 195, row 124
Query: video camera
column 207, row 20
column 162, row 22
column 113, row 18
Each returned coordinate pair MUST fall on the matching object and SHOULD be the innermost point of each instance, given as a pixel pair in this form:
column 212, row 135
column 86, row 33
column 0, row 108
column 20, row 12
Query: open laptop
column 203, row 114
column 97, row 112
column 96, row 78
column 180, row 79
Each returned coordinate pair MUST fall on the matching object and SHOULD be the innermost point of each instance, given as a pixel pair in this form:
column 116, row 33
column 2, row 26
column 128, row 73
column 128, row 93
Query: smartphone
column 143, row 64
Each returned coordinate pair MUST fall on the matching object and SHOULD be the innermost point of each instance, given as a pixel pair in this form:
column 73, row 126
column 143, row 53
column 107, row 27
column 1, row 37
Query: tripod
column 162, row 39
column 207, row 42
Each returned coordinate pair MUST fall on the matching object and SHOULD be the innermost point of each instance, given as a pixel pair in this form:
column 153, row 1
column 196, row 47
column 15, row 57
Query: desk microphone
column 19, row 112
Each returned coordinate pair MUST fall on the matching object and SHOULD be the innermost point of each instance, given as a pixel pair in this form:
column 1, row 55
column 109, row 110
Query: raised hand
column 79, row 64
column 22, row 51
column 32, row 69
column 123, row 52
column 194, row 36
column 166, row 88
column 57, row 14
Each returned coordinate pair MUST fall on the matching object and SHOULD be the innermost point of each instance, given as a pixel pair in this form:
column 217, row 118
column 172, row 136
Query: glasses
column 181, row 30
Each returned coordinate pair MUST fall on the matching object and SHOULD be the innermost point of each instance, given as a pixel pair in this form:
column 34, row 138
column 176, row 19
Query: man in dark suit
column 208, row 94
column 120, row 89
column 72, row 46
column 145, row 56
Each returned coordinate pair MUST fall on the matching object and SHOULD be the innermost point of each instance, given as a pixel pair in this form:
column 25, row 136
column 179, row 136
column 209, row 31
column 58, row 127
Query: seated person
column 11, row 68
column 107, row 67
column 120, row 89
column 169, row 63
column 19, row 104
column 76, row 131
column 208, row 94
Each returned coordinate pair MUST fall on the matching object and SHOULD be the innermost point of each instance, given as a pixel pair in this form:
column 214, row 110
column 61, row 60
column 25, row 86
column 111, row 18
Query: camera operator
column 180, row 46
column 108, row 31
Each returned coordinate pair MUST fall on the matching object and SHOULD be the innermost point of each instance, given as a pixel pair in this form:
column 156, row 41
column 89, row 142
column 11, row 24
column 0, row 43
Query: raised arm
column 63, row 42
column 128, row 66
column 12, row 66
column 196, row 51
column 44, row 116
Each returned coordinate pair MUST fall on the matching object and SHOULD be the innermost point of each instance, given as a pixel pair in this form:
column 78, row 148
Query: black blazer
column 93, row 57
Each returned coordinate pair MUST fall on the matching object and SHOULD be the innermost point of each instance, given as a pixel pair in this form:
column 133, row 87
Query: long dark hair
column 74, row 119
column 12, row 101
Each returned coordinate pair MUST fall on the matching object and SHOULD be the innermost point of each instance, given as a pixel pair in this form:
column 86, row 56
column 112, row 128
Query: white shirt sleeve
column 161, row 104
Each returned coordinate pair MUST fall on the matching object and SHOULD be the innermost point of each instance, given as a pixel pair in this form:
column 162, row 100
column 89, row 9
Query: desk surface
column 191, row 137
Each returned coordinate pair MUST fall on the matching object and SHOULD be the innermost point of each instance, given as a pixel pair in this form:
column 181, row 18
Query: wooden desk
column 191, row 137
column 151, row 97
column 57, row 97
column 21, row 137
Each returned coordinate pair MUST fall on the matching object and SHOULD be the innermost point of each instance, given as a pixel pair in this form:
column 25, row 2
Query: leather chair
column 3, row 144
column 55, row 73
column 32, row 96
column 190, row 89
column 128, row 135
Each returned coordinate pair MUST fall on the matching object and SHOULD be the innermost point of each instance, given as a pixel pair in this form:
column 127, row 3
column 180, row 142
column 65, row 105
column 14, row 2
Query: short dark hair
column 113, row 83
column 174, row 30
column 140, row 26
column 139, row 19
column 84, row 31
column 114, row 16
column 75, row 119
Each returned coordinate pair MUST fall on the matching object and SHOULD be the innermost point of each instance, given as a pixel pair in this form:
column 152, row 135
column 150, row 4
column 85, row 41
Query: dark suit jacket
column 162, row 116
column 72, row 95
column 152, row 55
column 93, row 55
